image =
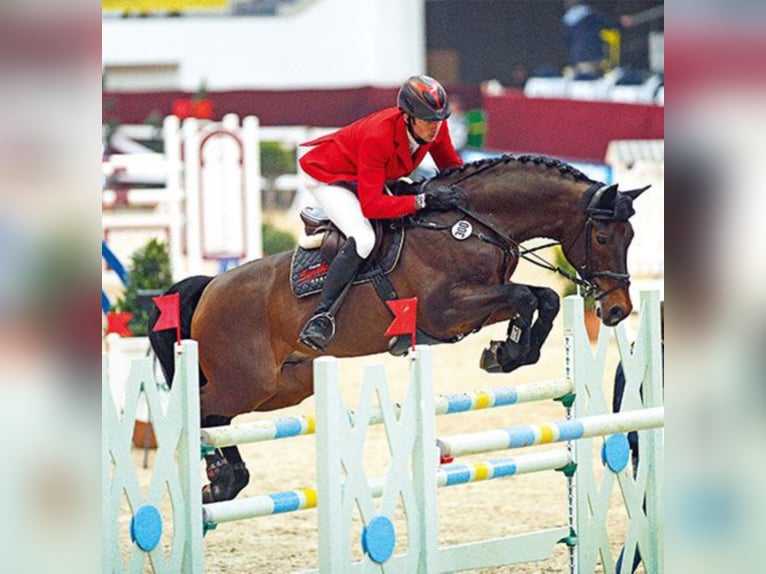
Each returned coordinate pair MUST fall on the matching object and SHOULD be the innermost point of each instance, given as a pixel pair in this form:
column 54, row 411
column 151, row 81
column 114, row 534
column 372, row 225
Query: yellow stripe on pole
column 546, row 434
column 311, row 497
column 162, row 5
column 481, row 471
column 482, row 400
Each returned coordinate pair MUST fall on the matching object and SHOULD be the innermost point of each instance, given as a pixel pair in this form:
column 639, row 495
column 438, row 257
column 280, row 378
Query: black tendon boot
column 320, row 329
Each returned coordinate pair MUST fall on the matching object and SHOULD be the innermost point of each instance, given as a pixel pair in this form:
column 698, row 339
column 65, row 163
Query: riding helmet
column 424, row 98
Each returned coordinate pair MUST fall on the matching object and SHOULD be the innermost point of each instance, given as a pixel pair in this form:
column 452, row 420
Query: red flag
column 405, row 317
column 170, row 313
column 117, row 322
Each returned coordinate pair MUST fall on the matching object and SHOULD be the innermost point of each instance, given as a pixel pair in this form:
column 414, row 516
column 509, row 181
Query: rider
column 385, row 145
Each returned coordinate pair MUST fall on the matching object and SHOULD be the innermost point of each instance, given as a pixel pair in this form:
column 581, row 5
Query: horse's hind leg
column 226, row 470
column 241, row 474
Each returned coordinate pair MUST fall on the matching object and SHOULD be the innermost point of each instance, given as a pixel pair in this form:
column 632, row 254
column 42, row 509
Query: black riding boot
column 320, row 329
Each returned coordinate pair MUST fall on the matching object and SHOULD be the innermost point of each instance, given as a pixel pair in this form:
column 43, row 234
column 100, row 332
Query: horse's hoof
column 207, row 494
column 241, row 478
column 220, row 473
column 399, row 346
column 489, row 361
column 217, row 492
column 213, row 493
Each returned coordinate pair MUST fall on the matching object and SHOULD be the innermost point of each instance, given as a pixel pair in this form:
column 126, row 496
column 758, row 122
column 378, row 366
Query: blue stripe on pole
column 570, row 430
column 285, row 502
column 502, row 467
column 457, row 474
column 287, row 427
column 504, row 397
column 458, row 403
column 521, row 436
column 114, row 262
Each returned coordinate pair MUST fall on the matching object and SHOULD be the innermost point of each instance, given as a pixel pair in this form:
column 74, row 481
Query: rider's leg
column 343, row 208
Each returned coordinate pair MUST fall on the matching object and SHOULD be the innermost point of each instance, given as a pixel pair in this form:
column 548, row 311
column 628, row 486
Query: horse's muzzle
column 613, row 315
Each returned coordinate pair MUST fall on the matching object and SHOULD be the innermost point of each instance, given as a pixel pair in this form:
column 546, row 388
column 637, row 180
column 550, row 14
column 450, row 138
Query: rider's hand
column 402, row 186
column 441, row 198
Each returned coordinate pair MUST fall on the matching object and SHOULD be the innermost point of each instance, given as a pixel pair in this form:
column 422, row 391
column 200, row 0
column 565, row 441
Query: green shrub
column 569, row 288
column 149, row 275
column 276, row 160
column 276, row 240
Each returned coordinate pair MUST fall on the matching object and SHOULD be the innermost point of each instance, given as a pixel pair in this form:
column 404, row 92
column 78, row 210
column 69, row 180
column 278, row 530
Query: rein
column 508, row 245
column 529, row 254
column 584, row 276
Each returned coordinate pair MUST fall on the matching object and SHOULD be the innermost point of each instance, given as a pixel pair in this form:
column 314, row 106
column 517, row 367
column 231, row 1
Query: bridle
column 585, row 276
column 623, row 279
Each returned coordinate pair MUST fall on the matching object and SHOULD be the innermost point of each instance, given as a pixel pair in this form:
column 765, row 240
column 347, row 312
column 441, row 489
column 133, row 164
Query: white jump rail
column 414, row 474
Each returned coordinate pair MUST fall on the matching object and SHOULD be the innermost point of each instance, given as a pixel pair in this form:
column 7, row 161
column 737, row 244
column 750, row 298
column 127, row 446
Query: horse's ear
column 634, row 193
column 604, row 197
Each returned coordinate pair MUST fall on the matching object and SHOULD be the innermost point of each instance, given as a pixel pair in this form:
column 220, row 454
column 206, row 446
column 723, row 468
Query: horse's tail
column 162, row 342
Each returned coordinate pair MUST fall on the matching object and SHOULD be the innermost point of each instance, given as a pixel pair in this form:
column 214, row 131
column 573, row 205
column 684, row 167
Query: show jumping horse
column 459, row 266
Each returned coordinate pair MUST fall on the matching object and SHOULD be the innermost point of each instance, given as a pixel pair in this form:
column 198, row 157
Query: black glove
column 403, row 186
column 442, row 198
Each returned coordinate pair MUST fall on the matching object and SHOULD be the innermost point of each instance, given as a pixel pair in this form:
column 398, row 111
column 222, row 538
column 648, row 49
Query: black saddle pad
column 308, row 268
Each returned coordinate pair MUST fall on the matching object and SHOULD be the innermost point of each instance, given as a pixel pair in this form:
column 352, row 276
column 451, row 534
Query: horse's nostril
column 616, row 314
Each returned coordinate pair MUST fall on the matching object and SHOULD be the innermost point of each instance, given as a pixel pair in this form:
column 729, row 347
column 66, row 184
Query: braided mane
column 552, row 163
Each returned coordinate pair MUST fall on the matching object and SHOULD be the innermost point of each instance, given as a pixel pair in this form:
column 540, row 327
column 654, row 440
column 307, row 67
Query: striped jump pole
column 286, row 427
column 447, row 475
column 343, row 485
column 568, row 430
column 414, row 473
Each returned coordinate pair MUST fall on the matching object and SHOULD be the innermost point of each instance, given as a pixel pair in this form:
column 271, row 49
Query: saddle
column 321, row 233
column 321, row 243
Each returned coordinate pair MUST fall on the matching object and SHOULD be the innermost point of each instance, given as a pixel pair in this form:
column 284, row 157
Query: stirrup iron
column 320, row 338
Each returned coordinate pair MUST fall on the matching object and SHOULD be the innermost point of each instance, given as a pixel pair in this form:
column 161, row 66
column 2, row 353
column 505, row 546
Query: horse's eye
column 601, row 239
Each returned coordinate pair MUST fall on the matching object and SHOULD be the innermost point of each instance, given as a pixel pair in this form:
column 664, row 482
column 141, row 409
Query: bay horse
column 246, row 320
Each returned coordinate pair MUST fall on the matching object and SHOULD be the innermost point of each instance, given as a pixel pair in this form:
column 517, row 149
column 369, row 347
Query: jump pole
column 586, row 535
column 286, row 427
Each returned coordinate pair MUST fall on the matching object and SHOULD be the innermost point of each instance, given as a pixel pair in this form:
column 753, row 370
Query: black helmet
column 424, row 98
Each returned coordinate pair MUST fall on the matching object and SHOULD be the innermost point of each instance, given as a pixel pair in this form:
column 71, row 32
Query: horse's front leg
column 510, row 354
column 514, row 302
column 525, row 338
column 530, row 312
column 548, row 304
column 524, row 342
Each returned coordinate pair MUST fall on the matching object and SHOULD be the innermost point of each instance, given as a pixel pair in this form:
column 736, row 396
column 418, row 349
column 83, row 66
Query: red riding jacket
column 370, row 151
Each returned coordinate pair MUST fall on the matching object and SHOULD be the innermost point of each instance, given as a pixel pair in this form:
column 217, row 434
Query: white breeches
column 344, row 210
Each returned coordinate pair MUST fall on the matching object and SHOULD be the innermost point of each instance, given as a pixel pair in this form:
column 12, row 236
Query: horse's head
column 599, row 252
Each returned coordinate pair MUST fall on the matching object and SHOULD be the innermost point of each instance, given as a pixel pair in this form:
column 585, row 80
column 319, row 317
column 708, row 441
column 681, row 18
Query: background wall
column 349, row 43
column 334, row 61
column 330, row 43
